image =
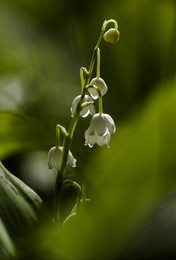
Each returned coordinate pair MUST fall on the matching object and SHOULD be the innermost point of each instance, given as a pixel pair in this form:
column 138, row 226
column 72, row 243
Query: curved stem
column 61, row 185
column 74, row 184
column 94, row 55
column 110, row 21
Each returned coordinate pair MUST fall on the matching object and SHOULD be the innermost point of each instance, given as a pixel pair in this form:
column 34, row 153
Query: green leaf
column 7, row 248
column 19, row 204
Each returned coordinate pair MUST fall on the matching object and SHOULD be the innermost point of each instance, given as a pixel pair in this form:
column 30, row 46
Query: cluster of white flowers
column 102, row 125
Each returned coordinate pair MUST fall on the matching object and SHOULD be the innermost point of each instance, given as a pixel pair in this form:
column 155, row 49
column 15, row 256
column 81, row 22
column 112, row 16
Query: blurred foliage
column 7, row 248
column 126, row 183
column 18, row 203
column 19, row 208
column 43, row 45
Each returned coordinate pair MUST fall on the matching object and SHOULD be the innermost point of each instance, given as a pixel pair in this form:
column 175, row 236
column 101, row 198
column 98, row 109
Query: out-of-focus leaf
column 7, row 248
column 19, row 205
column 34, row 68
column 20, row 133
column 128, row 181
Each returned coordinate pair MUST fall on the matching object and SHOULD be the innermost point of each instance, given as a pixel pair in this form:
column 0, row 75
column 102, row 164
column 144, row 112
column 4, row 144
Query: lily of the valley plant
column 101, row 125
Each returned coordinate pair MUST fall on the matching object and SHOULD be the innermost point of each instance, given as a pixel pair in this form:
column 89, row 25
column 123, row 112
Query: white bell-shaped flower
column 54, row 158
column 100, row 85
column 89, row 109
column 100, row 130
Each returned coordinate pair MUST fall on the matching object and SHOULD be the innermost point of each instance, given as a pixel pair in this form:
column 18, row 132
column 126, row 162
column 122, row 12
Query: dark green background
column 43, row 44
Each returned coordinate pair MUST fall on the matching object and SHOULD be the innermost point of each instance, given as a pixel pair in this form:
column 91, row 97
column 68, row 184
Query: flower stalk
column 57, row 136
column 82, row 106
column 100, row 101
column 98, row 63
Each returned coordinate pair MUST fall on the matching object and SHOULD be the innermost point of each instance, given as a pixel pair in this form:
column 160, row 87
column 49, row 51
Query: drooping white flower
column 100, row 130
column 54, row 157
column 101, row 85
column 89, row 109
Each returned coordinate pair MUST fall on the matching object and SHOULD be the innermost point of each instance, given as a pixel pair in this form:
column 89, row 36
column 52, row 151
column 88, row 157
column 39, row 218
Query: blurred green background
column 43, row 44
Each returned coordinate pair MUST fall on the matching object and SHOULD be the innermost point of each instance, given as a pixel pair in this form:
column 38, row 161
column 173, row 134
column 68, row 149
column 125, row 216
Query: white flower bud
column 111, row 36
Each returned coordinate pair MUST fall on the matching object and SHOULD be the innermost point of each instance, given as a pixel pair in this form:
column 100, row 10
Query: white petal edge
column 94, row 93
column 74, row 104
column 100, row 84
column 92, row 109
column 90, row 138
column 104, row 140
column 54, row 157
column 86, row 110
column 110, row 123
column 71, row 160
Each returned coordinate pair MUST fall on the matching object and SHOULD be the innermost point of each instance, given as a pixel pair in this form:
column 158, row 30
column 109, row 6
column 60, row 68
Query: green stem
column 57, row 136
column 74, row 184
column 97, row 46
column 110, row 21
column 98, row 63
column 61, row 185
column 100, row 105
column 94, row 55
column 63, row 164
column 82, row 79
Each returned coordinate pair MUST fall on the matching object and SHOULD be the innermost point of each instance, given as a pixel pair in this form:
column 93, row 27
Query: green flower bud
column 111, row 36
